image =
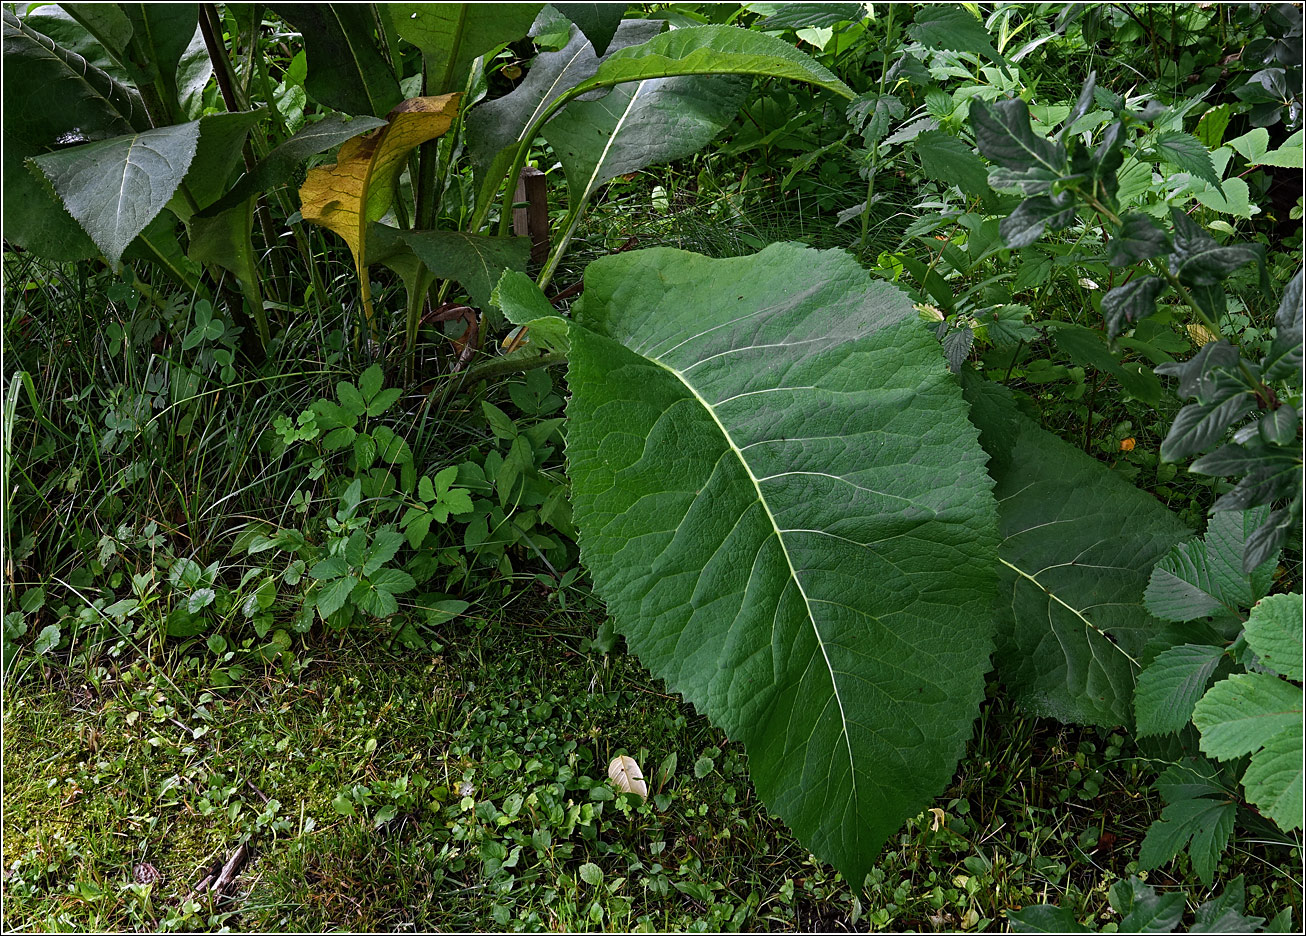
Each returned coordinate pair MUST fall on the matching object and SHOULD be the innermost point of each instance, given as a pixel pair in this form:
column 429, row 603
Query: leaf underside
column 781, row 499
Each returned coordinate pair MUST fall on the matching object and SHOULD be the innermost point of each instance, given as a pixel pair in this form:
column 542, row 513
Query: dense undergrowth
column 323, row 597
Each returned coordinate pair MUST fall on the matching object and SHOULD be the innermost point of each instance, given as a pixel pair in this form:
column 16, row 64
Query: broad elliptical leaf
column 781, row 499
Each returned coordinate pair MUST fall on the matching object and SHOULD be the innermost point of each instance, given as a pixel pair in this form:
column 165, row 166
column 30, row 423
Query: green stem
column 493, row 369
column 568, row 229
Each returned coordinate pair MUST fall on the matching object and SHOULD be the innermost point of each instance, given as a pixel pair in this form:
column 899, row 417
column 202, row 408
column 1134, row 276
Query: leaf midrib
column 784, row 549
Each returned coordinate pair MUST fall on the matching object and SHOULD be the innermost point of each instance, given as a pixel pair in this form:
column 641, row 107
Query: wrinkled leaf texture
column 781, row 499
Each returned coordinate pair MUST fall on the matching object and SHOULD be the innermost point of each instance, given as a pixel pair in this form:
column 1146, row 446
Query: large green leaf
column 53, row 97
column 345, row 70
column 1170, row 686
column 781, row 499
column 161, row 34
column 116, row 187
column 452, row 35
column 497, row 126
column 1078, row 542
column 713, row 50
column 640, row 123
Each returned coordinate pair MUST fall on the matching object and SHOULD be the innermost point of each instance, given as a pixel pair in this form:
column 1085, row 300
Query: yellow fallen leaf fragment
column 1200, row 334
column 359, row 188
column 940, row 818
column 625, row 773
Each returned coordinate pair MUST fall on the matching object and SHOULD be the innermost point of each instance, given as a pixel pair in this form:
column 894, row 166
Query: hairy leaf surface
column 781, row 499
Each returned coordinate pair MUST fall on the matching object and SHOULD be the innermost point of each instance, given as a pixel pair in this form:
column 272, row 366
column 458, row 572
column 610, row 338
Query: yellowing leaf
column 359, row 188
column 1200, row 334
column 625, row 773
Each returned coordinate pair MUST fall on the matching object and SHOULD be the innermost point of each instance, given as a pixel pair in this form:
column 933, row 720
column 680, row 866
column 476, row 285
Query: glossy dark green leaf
column 452, row 35
column 1284, row 360
column 345, row 70
column 1082, row 104
column 105, row 21
column 780, row 498
column 1033, row 181
column 1132, row 302
column 69, row 34
column 1198, row 260
column 161, row 33
column 279, row 166
column 956, row 347
column 1004, row 136
column 1044, row 918
column 947, row 159
column 639, row 123
column 1197, row 376
column 598, row 21
column 1033, row 217
column 1142, row 909
column 1200, row 425
column 494, row 126
column 1139, row 238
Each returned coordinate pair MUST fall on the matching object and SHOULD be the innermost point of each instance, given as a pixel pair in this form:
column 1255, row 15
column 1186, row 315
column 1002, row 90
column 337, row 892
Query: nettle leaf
column 1261, row 715
column 941, row 26
column 780, row 497
column 452, row 35
column 116, row 187
column 1274, row 632
column 871, row 113
column 1078, row 542
column 1205, row 577
column 947, row 159
column 1188, row 153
